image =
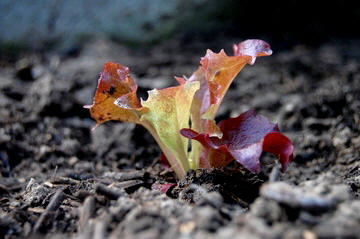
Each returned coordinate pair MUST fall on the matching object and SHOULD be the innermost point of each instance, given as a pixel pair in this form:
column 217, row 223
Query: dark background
column 283, row 23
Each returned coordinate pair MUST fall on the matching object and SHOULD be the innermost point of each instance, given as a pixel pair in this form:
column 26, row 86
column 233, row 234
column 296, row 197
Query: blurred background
column 57, row 24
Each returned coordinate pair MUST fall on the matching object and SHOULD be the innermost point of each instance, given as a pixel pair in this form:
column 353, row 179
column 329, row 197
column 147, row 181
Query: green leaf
column 169, row 112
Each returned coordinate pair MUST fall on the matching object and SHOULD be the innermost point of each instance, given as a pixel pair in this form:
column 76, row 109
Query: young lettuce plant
column 167, row 114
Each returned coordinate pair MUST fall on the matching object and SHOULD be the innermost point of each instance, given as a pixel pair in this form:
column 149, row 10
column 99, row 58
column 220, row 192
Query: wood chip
column 47, row 216
column 64, row 180
column 86, row 212
column 110, row 193
column 36, row 209
column 125, row 176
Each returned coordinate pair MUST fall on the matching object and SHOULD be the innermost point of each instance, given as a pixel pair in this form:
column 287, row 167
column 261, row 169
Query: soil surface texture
column 60, row 179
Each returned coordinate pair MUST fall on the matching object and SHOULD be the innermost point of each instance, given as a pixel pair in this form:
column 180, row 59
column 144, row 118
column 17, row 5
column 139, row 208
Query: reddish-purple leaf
column 244, row 139
column 281, row 146
column 163, row 188
column 253, row 48
column 164, row 161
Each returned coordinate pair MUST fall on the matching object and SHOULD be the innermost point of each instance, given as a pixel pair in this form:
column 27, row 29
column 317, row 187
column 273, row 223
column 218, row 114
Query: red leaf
column 164, row 161
column 163, row 188
column 280, row 145
column 244, row 138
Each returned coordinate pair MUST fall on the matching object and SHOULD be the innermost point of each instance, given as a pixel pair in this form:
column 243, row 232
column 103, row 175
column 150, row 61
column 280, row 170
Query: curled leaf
column 115, row 84
column 244, row 139
column 253, row 48
column 281, row 146
column 215, row 75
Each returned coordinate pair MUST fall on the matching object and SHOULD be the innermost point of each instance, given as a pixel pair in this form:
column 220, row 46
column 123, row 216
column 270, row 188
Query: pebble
column 296, row 197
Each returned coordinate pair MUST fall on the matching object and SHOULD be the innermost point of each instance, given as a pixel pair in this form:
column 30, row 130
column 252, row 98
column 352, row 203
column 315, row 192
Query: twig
column 64, row 180
column 4, row 189
column 86, row 211
column 100, row 229
column 111, row 193
column 275, row 173
column 48, row 215
column 129, row 184
column 116, row 233
column 125, row 176
column 88, row 230
column 54, row 175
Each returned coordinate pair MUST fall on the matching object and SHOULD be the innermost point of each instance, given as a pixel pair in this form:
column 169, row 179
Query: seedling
column 187, row 111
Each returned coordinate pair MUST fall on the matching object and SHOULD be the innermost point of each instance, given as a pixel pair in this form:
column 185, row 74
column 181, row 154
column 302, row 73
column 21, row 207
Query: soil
column 59, row 179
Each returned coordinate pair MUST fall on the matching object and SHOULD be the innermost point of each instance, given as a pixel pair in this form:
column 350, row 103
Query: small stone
column 356, row 141
column 4, row 138
column 309, row 235
column 341, row 138
column 296, row 197
column 73, row 160
column 343, row 224
column 266, row 209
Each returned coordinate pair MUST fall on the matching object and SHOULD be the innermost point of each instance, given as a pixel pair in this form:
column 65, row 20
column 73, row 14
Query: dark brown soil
column 59, row 179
